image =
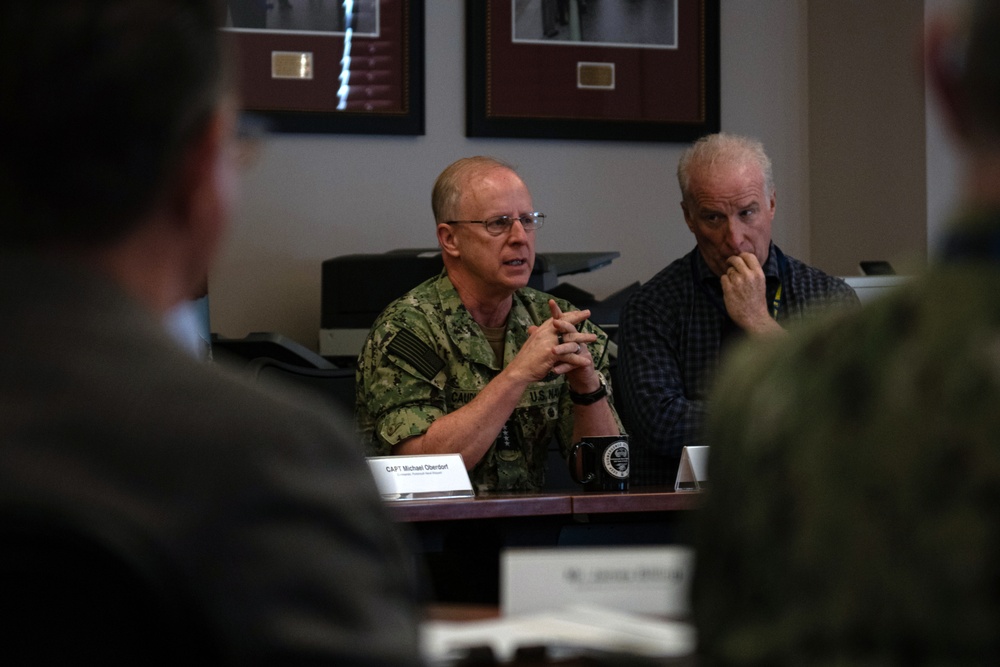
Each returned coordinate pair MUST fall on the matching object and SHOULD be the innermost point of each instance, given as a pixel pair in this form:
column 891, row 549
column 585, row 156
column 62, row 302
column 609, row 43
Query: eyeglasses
column 501, row 224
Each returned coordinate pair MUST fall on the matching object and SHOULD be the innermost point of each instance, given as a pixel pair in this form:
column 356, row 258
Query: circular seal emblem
column 616, row 459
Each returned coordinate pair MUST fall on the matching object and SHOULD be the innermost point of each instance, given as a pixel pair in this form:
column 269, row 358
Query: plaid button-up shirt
column 671, row 335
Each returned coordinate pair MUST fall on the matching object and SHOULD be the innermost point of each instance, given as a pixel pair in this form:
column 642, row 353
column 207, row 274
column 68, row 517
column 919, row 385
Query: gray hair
column 448, row 186
column 726, row 149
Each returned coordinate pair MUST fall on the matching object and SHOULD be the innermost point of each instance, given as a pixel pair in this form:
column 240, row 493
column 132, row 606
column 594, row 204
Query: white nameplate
column 425, row 476
column 644, row 580
column 692, row 475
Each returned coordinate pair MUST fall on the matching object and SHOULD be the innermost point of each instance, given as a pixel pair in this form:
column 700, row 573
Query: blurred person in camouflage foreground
column 854, row 514
column 177, row 490
column 475, row 362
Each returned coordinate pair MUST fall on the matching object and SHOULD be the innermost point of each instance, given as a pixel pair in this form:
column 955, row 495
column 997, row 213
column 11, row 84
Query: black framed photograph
column 631, row 70
column 347, row 66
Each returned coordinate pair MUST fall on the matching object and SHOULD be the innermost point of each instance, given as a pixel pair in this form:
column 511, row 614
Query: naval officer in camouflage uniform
column 475, row 362
column 854, row 515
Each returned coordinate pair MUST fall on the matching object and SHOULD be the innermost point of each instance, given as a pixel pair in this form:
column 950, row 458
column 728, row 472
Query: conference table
column 577, row 503
column 460, row 539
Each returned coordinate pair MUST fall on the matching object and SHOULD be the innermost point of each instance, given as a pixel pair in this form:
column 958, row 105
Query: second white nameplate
column 424, row 477
column 692, row 475
column 640, row 579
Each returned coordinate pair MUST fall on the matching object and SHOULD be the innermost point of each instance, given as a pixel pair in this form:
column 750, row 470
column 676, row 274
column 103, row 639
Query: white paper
column 574, row 630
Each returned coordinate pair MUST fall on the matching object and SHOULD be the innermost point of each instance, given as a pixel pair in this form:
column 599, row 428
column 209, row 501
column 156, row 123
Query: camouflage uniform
column 854, row 513
column 426, row 357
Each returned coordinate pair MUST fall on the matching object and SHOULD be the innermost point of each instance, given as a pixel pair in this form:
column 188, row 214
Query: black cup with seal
column 600, row 463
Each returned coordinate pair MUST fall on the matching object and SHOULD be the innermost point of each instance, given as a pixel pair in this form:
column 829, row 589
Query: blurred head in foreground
column 854, row 515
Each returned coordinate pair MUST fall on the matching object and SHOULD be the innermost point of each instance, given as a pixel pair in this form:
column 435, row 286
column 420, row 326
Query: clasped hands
column 556, row 346
column 744, row 291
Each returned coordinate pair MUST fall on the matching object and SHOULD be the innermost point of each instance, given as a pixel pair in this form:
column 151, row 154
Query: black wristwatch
column 592, row 397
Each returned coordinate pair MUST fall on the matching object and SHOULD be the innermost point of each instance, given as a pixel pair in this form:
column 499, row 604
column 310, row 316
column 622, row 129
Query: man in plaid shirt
column 735, row 282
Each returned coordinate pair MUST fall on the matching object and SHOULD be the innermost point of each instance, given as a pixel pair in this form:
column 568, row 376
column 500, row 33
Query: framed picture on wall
column 641, row 70
column 331, row 65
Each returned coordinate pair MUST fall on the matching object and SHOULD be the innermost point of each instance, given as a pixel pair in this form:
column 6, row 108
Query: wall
column 866, row 134
column 943, row 164
column 313, row 197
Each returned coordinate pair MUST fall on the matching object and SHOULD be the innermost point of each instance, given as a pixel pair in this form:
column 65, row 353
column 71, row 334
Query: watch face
column 602, row 387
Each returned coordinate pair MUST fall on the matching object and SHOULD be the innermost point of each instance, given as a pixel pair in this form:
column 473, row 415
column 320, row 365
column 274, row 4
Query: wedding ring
column 559, row 338
column 578, row 348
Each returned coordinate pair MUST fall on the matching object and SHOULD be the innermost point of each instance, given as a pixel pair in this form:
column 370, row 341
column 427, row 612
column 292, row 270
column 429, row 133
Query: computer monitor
column 869, row 288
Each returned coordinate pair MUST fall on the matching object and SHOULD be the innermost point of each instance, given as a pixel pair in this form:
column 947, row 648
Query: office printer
column 356, row 288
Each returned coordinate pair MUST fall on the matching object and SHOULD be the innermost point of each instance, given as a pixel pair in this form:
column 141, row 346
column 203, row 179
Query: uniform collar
column 466, row 333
